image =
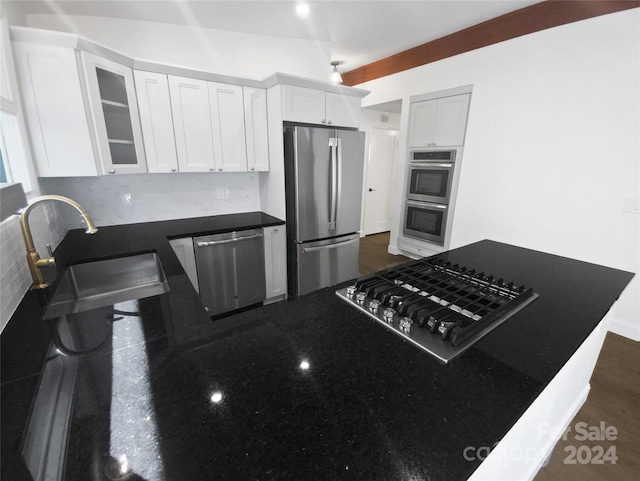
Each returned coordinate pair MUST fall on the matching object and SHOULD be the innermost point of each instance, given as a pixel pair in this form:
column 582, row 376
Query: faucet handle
column 51, row 260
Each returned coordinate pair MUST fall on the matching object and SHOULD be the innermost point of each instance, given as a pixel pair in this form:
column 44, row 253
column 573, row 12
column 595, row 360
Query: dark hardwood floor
column 614, row 400
column 374, row 256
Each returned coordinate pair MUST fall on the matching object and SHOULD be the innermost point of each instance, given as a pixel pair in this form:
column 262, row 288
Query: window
column 15, row 157
column 13, row 166
column 3, row 174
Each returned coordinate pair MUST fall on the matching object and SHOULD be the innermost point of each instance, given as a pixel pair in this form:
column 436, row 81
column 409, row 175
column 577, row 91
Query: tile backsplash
column 112, row 200
column 47, row 227
column 135, row 198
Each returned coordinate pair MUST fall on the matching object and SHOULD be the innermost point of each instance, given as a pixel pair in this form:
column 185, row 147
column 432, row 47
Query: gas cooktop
column 441, row 308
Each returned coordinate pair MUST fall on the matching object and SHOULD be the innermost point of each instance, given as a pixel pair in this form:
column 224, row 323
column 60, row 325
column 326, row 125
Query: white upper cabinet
column 304, row 105
column 227, row 121
column 114, row 110
column 422, row 125
column 312, row 106
column 255, row 122
column 219, row 127
column 192, row 124
column 156, row 119
column 55, row 110
column 451, row 120
column 8, row 89
column 439, row 122
column 343, row 110
column 88, row 115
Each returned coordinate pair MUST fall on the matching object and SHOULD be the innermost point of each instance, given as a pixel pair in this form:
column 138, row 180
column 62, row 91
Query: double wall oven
column 428, row 194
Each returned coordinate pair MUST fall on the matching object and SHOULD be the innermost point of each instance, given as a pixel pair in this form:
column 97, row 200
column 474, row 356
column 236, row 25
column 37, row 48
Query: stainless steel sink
column 101, row 283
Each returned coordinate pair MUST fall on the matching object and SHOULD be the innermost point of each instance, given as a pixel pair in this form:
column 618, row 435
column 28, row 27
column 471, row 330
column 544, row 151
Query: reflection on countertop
column 305, row 389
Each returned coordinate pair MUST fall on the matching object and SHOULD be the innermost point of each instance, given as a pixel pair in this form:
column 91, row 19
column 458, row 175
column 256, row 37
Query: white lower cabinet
column 275, row 260
column 154, row 105
column 55, row 110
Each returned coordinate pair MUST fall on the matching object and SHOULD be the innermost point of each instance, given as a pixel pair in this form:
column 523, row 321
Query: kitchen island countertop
column 301, row 389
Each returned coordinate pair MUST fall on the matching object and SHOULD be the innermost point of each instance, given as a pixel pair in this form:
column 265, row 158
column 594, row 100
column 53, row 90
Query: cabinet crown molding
column 280, row 78
column 78, row 42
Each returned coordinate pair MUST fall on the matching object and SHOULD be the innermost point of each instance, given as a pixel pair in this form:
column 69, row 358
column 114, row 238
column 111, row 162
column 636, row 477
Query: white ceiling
column 360, row 31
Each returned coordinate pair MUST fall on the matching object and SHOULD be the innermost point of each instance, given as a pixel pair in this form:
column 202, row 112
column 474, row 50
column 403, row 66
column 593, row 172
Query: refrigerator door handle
column 339, row 182
column 330, row 246
column 333, row 194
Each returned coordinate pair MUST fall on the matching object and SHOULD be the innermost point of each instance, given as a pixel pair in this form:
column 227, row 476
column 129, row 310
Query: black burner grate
column 430, row 290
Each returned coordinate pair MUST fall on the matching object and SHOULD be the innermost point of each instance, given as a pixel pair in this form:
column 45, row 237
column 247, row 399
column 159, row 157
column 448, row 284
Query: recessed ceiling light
column 302, row 9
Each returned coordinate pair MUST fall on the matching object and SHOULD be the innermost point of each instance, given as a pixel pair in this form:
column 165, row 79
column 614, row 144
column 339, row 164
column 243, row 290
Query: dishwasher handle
column 226, row 241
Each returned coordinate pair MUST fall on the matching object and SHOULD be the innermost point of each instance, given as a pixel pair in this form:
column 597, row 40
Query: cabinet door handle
column 323, row 121
column 112, row 171
column 330, row 122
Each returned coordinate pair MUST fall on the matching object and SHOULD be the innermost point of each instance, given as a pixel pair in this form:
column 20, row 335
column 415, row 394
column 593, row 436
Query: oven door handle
column 427, row 205
column 422, row 165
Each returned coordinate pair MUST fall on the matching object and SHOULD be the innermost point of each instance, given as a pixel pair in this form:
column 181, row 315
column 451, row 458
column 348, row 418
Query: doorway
column 379, row 180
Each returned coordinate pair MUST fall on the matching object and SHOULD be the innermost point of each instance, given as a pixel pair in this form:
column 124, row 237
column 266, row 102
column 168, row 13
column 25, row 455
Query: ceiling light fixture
column 303, row 9
column 336, row 78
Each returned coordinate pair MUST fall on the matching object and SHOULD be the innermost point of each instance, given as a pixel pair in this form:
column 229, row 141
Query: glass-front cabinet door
column 112, row 99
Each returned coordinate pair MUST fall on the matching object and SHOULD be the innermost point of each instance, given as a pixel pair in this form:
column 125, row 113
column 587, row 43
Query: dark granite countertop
column 301, row 389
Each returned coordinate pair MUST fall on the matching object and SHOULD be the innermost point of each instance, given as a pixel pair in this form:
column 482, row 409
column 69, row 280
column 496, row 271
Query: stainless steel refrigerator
column 323, row 177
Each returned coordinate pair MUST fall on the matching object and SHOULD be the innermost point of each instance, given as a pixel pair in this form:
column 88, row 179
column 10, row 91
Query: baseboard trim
column 624, row 328
column 393, row 249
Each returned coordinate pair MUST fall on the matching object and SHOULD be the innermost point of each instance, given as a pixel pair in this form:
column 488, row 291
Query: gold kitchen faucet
column 33, row 258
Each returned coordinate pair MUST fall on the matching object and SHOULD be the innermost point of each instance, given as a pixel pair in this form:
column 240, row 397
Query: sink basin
column 102, row 283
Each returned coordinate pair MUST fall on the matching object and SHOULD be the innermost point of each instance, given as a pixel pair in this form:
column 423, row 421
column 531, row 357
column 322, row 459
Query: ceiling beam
column 540, row 16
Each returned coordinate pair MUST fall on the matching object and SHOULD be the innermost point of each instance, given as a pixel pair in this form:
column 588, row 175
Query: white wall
column 552, row 145
column 218, row 51
column 157, row 196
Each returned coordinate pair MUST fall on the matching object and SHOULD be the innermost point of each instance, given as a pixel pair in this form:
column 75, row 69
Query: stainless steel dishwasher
column 230, row 270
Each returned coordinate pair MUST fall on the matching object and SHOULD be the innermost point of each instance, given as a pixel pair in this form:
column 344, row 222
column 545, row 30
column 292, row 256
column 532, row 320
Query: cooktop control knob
column 405, row 324
column 351, row 290
column 388, row 314
column 374, row 305
column 445, row 327
column 360, row 297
